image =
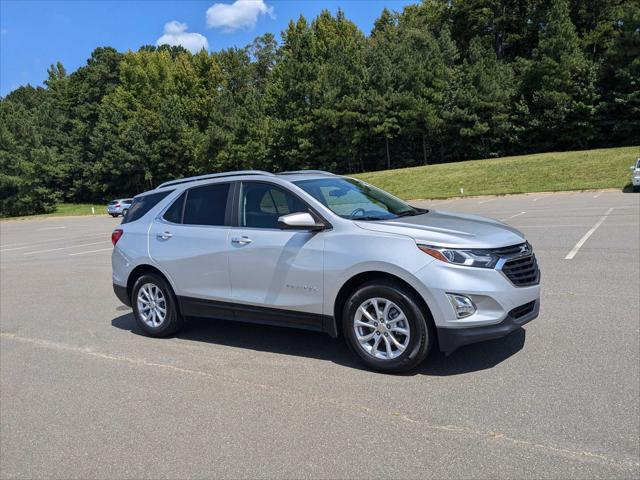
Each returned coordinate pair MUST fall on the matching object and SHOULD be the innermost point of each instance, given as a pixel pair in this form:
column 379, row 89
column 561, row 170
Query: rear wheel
column 114, row 215
column 385, row 326
column 155, row 307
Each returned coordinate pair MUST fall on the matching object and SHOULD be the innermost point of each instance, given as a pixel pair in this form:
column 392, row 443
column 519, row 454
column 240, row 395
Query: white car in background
column 635, row 176
column 119, row 206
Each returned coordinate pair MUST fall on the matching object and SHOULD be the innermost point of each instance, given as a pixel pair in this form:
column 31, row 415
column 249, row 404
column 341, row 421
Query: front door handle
column 165, row 235
column 244, row 240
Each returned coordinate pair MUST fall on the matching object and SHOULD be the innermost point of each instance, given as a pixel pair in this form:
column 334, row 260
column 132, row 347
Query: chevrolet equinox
column 322, row 252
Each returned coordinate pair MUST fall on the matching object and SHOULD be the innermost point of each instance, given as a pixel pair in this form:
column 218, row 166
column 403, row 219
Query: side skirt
column 198, row 307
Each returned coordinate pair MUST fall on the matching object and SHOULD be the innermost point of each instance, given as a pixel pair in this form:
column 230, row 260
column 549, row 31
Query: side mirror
column 299, row 221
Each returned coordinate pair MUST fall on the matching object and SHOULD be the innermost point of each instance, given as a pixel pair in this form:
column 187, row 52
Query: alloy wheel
column 381, row 328
column 152, row 305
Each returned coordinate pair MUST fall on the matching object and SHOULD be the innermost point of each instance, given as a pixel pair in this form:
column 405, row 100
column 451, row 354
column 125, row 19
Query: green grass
column 68, row 209
column 543, row 172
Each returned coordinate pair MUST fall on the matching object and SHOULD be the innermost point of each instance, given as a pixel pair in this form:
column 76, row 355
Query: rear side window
column 206, row 205
column 141, row 205
column 174, row 212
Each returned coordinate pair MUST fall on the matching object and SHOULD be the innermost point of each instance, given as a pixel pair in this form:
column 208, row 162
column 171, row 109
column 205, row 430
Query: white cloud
column 239, row 14
column 175, row 33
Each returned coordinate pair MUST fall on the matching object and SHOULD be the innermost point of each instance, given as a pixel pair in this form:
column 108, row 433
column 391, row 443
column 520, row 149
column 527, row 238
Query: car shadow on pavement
column 302, row 343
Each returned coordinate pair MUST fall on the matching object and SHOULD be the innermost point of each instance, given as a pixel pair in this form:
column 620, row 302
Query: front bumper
column 635, row 181
column 497, row 300
column 450, row 339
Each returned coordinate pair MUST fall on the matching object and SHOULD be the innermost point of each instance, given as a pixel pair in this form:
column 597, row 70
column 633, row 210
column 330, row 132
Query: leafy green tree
column 559, row 84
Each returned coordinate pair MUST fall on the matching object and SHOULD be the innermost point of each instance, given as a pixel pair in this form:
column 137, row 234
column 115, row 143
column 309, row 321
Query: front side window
column 261, row 204
column 206, row 205
column 356, row 200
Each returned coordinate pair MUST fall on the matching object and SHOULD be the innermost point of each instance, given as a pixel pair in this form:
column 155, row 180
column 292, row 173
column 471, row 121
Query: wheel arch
column 144, row 269
column 364, row 277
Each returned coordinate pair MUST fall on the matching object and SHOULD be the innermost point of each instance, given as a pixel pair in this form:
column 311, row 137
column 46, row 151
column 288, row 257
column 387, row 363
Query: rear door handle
column 165, row 235
column 244, row 240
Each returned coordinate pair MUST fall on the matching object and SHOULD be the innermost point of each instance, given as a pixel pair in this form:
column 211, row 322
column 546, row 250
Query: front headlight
column 465, row 257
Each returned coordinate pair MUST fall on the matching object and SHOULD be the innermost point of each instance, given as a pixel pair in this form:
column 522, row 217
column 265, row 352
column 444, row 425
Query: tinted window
column 141, row 205
column 174, row 212
column 206, row 205
column 262, row 204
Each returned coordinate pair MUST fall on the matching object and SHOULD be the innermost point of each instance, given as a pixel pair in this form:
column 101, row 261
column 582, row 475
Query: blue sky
column 35, row 34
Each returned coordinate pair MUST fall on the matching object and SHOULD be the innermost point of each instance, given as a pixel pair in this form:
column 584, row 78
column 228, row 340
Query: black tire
column 421, row 334
column 636, row 189
column 172, row 322
column 114, row 215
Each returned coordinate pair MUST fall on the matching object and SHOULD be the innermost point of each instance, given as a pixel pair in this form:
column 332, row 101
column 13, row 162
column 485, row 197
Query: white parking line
column 49, row 228
column 63, row 248
column 586, row 236
column 90, row 251
column 487, row 201
column 513, row 216
column 11, row 249
column 597, row 195
column 32, row 244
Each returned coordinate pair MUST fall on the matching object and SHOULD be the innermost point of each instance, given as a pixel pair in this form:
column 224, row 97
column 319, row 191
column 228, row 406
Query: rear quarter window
column 141, row 205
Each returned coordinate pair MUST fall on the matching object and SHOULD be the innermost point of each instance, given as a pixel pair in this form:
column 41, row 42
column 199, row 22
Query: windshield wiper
column 409, row 213
column 367, row 217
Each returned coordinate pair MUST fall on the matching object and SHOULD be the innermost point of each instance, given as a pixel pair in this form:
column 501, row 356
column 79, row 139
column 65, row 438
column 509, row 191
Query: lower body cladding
column 450, row 339
column 490, row 307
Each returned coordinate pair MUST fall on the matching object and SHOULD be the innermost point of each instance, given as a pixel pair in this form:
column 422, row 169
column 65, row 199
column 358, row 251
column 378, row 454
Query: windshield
column 356, row 200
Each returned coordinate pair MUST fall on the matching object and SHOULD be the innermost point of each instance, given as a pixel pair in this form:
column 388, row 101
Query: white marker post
column 93, row 211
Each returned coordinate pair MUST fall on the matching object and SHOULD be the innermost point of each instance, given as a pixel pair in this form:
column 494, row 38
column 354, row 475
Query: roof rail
column 311, row 172
column 212, row 175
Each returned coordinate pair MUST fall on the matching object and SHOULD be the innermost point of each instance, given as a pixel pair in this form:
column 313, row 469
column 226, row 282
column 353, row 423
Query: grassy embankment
column 66, row 210
column 543, row 172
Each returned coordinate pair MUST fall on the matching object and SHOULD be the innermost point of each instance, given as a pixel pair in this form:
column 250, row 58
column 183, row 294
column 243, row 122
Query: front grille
column 522, row 310
column 522, row 271
column 512, row 250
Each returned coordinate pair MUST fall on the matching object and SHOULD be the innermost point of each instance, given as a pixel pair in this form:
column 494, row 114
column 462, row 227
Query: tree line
column 440, row 81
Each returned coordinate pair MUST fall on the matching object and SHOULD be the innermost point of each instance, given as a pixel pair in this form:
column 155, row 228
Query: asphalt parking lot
column 85, row 395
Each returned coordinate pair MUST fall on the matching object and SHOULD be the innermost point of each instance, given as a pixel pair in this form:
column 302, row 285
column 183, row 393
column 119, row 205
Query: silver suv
column 119, row 207
column 322, row 252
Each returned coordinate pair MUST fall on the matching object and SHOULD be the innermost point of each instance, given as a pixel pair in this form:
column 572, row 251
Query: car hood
column 447, row 229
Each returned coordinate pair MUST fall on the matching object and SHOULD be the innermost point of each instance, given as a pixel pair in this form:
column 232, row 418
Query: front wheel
column 155, row 307
column 385, row 326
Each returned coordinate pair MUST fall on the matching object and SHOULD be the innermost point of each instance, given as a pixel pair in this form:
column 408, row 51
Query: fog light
column 463, row 306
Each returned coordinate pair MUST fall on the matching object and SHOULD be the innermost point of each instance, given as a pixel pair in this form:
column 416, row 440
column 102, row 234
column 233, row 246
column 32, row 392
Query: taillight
column 117, row 205
column 115, row 235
